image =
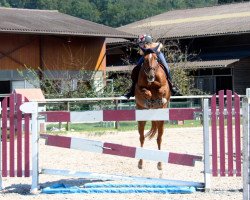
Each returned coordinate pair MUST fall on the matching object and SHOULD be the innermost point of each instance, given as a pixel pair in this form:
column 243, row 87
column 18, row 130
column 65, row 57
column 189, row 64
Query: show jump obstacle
column 16, row 120
column 110, row 148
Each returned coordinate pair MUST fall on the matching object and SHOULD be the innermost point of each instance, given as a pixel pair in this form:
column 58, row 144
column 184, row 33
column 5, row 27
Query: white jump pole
column 246, row 146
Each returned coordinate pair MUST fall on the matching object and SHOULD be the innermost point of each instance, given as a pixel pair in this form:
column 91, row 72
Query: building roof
column 52, row 22
column 187, row 65
column 198, row 22
column 117, row 40
column 206, row 64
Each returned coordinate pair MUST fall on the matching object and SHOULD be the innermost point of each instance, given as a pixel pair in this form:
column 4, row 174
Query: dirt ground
column 180, row 140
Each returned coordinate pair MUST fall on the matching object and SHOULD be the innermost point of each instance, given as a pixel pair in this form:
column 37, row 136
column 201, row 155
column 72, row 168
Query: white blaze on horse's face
column 150, row 56
column 150, row 69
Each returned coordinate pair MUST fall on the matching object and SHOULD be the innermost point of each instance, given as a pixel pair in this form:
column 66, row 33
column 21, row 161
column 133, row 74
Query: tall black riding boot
column 134, row 77
column 131, row 92
column 174, row 90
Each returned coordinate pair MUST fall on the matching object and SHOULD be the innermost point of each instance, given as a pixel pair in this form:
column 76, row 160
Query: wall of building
column 67, row 53
column 242, row 76
column 52, row 52
column 18, row 50
column 59, row 57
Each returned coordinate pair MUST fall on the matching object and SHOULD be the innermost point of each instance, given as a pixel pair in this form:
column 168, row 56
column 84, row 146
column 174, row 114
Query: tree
column 4, row 3
column 112, row 13
column 124, row 12
column 40, row 4
column 230, row 1
column 200, row 3
column 83, row 9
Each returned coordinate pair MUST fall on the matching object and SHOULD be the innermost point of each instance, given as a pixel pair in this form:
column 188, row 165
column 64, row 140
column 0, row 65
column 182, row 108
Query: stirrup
column 175, row 91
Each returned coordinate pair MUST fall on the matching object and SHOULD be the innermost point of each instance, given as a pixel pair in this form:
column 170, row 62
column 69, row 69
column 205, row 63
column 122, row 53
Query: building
column 53, row 45
column 218, row 36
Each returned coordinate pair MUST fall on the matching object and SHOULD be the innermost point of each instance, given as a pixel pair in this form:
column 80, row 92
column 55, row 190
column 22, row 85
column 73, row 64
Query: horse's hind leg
column 160, row 125
column 141, row 126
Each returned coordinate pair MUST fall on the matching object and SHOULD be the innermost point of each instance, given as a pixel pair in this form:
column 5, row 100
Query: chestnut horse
column 152, row 91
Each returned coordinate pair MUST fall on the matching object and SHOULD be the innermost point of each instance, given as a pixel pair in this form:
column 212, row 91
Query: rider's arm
column 140, row 51
column 160, row 47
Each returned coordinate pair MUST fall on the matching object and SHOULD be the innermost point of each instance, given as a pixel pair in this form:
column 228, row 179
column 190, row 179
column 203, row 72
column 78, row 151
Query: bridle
column 152, row 64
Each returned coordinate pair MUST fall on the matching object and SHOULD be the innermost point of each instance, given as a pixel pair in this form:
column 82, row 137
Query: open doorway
column 224, row 83
column 5, row 88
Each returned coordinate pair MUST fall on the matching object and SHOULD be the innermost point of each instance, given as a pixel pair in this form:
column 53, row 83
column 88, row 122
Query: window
column 205, row 84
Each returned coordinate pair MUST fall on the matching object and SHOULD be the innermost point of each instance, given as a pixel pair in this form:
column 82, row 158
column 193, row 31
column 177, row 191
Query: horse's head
column 150, row 66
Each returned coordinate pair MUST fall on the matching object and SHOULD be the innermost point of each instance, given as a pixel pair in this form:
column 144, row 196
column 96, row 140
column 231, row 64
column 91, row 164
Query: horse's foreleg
column 141, row 125
column 162, row 92
column 146, row 93
column 159, row 140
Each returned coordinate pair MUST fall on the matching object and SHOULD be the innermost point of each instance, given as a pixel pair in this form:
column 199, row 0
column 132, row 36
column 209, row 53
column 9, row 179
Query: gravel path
column 181, row 140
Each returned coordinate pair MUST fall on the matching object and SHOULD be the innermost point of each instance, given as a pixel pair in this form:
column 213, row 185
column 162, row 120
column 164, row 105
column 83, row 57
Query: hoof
column 140, row 164
column 159, row 166
column 164, row 101
column 146, row 135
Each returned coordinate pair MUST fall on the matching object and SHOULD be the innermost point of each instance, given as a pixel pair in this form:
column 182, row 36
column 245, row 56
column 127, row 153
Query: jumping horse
column 152, row 91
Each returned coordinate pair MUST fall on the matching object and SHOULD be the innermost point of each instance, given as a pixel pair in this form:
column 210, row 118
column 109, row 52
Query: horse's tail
column 151, row 133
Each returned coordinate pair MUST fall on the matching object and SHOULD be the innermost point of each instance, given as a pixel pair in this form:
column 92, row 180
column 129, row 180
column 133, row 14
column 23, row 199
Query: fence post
column 117, row 124
column 246, row 145
column 32, row 107
column 68, row 123
column 207, row 173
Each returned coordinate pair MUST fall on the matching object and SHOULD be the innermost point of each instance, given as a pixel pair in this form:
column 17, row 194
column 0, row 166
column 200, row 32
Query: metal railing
column 97, row 103
column 121, row 103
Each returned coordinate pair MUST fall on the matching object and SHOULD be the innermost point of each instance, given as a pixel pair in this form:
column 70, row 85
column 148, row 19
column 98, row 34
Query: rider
column 146, row 41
